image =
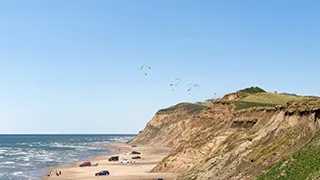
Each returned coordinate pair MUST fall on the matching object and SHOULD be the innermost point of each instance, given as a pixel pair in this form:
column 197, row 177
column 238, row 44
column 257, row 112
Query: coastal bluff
column 257, row 135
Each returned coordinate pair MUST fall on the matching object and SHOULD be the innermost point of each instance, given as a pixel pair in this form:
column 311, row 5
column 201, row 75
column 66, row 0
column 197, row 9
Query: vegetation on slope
column 303, row 164
column 246, row 105
column 252, row 90
column 257, row 97
column 247, row 91
column 188, row 107
column 271, row 98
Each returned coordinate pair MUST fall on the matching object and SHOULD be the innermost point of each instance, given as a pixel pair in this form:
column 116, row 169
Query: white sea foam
column 17, row 173
column 121, row 139
column 3, row 151
column 15, row 153
column 6, row 167
column 59, row 145
column 26, row 164
column 22, row 143
column 33, row 160
column 7, row 162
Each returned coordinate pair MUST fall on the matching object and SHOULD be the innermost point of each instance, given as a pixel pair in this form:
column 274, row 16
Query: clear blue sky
column 73, row 66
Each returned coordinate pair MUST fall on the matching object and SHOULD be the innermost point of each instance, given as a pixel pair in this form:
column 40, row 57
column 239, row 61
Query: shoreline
column 140, row 170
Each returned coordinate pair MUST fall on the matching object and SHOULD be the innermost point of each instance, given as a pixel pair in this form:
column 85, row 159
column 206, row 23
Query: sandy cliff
column 226, row 140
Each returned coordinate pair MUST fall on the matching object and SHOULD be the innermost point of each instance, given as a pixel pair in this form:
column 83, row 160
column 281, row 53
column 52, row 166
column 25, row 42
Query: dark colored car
column 103, row 173
column 136, row 157
column 114, row 158
column 84, row 164
column 135, row 152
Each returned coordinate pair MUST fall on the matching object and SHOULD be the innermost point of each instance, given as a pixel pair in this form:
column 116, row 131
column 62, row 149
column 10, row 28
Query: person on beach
column 57, row 173
column 60, row 173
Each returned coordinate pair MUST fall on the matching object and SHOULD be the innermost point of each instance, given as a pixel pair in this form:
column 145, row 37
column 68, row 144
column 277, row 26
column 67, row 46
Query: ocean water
column 28, row 157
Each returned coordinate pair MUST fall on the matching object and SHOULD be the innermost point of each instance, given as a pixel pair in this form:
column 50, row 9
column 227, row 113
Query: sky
column 74, row 66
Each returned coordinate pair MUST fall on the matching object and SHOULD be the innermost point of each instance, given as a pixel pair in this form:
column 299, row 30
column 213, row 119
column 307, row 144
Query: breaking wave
column 24, row 158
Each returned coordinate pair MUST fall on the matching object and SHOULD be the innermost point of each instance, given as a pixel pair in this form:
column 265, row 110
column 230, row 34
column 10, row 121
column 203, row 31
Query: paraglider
column 177, row 80
column 145, row 68
column 173, row 85
column 197, row 86
column 189, row 90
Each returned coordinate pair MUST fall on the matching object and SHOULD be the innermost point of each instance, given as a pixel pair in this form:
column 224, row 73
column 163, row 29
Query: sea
column 28, row 157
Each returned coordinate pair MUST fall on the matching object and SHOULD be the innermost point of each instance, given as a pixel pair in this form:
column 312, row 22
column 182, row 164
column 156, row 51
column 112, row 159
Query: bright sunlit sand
column 118, row 171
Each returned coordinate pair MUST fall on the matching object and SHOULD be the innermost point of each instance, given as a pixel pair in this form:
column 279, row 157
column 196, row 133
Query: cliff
column 232, row 139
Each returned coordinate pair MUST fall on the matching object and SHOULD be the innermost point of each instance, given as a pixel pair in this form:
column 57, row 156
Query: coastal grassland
column 266, row 99
column 303, row 164
column 239, row 105
column 251, row 90
column 188, row 107
column 271, row 98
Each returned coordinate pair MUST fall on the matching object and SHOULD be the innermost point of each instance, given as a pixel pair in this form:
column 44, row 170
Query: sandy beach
column 118, row 171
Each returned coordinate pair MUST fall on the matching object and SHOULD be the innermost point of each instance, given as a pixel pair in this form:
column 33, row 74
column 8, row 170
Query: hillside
column 233, row 139
column 302, row 164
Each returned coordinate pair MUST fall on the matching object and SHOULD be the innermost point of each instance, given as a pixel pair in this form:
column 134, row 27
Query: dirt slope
column 217, row 141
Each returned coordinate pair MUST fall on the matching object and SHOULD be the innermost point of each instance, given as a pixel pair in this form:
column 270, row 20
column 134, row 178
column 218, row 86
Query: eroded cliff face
column 167, row 128
column 217, row 142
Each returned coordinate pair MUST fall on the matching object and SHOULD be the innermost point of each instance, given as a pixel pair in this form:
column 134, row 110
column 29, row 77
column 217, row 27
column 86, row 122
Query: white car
column 124, row 161
column 127, row 153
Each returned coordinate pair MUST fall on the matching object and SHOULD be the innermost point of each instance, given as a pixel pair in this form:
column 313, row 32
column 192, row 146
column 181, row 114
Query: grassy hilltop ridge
column 257, row 97
column 248, row 98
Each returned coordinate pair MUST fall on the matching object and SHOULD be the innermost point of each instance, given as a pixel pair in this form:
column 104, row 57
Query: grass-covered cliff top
column 248, row 98
column 188, row 107
column 257, row 97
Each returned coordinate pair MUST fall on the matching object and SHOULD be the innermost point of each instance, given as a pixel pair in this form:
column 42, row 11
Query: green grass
column 314, row 176
column 265, row 99
column 270, row 98
column 167, row 110
column 189, row 107
column 247, row 91
column 193, row 108
column 301, row 165
column 246, row 105
column 252, row 90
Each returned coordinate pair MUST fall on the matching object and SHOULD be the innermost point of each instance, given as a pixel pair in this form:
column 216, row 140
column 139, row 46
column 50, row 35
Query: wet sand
column 118, row 171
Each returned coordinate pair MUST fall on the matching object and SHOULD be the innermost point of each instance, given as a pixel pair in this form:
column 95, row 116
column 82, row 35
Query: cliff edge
column 241, row 136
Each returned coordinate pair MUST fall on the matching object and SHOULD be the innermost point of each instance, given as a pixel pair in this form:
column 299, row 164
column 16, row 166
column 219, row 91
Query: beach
column 138, row 170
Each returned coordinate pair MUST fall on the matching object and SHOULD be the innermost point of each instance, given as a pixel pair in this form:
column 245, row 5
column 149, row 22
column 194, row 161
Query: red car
column 84, row 164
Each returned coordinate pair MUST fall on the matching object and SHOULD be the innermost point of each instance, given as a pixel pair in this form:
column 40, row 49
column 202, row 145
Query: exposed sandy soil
column 118, row 171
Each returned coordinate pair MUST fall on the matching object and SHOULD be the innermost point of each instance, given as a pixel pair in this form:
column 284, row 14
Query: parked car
column 127, row 153
column 114, row 158
column 103, row 173
column 135, row 152
column 136, row 157
column 124, row 160
column 84, row 164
